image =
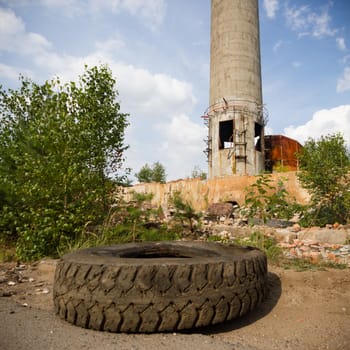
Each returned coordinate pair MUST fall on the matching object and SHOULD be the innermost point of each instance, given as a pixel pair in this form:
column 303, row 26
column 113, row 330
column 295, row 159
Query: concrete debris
column 330, row 244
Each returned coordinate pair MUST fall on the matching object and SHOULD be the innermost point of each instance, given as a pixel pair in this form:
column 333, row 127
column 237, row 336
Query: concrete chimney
column 235, row 116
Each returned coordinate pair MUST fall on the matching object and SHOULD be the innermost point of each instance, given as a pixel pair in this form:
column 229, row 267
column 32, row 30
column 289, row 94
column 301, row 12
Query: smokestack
column 236, row 120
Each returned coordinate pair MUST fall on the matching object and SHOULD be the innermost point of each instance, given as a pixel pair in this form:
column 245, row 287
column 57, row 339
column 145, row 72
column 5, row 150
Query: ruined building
column 235, row 117
column 236, row 143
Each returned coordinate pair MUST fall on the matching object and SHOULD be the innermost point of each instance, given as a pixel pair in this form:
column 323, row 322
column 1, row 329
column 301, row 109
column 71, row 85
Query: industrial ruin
column 237, row 148
column 236, row 116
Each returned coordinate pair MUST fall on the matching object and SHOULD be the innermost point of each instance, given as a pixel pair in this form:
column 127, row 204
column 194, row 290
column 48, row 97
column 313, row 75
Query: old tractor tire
column 158, row 286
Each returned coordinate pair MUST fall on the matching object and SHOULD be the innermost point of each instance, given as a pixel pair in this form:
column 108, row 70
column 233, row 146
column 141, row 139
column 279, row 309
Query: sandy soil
column 304, row 310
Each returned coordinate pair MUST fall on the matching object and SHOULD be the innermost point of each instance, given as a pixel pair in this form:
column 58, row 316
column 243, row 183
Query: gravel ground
column 304, row 310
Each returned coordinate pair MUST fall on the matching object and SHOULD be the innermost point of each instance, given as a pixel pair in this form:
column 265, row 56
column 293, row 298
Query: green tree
column 145, row 174
column 156, row 173
column 325, row 173
column 197, row 172
column 61, row 151
column 159, row 174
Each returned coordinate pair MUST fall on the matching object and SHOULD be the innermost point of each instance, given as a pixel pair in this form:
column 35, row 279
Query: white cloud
column 183, row 132
column 153, row 95
column 278, row 44
column 323, row 122
column 10, row 25
column 183, row 144
column 145, row 93
column 177, row 143
column 345, row 59
column 341, row 44
column 110, row 45
column 14, row 38
column 344, row 82
column 12, row 73
column 151, row 11
column 159, row 104
column 271, row 7
column 70, row 7
column 309, row 23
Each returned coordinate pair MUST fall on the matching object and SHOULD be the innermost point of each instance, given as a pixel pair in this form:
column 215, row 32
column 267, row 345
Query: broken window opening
column 258, row 134
column 226, row 134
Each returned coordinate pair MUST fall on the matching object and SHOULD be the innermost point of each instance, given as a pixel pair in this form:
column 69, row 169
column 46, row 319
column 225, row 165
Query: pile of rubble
column 330, row 244
column 317, row 251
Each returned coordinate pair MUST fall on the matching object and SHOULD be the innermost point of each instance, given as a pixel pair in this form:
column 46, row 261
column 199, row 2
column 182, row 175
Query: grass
column 138, row 231
column 265, row 243
column 122, row 233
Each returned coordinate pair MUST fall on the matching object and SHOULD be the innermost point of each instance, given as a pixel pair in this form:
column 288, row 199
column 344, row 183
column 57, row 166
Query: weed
column 129, row 222
column 266, row 201
column 265, row 243
column 214, row 238
column 184, row 211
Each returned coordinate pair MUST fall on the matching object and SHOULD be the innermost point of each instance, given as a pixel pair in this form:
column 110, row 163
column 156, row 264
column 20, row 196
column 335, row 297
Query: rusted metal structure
column 280, row 153
column 235, row 117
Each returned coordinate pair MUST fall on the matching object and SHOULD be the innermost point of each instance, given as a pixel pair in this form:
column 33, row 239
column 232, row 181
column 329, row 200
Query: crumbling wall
column 202, row 193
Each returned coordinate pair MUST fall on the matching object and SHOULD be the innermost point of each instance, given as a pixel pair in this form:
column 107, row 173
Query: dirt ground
column 304, row 310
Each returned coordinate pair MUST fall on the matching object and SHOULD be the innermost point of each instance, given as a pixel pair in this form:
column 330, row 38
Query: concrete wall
column 202, row 193
column 235, row 70
column 241, row 156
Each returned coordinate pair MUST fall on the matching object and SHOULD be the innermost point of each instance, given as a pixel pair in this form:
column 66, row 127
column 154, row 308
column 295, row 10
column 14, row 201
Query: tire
column 158, row 286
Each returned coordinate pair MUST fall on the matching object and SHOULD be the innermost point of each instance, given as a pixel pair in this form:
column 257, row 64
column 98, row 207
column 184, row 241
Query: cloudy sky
column 158, row 51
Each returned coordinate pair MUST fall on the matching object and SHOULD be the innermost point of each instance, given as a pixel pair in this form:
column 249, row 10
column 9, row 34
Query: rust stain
column 280, row 153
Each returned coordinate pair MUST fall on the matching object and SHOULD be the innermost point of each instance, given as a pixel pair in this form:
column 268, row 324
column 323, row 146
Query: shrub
column 266, row 201
column 265, row 243
column 61, row 151
column 184, row 211
column 325, row 173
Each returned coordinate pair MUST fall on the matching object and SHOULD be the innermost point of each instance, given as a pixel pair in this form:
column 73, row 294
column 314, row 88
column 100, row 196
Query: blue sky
column 158, row 51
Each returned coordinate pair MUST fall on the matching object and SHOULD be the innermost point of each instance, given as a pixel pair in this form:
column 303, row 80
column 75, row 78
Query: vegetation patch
column 61, row 155
column 325, row 173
